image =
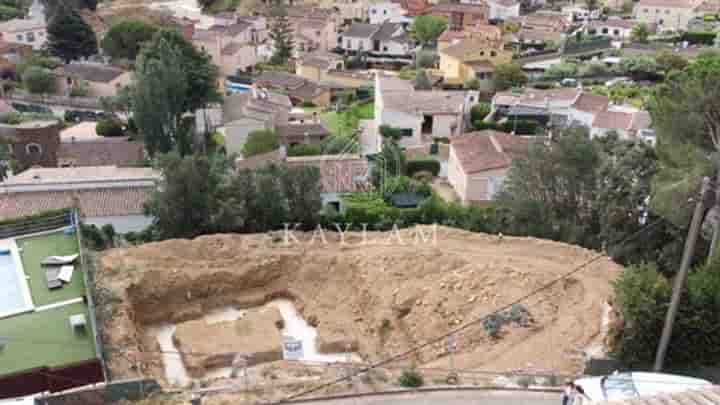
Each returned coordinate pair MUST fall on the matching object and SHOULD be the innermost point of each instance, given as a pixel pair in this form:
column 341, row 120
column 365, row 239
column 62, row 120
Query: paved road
column 454, row 398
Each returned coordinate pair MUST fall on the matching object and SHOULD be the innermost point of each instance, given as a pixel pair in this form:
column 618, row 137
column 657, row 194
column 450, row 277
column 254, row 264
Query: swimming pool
column 14, row 297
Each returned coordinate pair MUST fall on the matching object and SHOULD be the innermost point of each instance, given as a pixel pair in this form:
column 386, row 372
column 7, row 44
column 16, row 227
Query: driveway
column 453, row 398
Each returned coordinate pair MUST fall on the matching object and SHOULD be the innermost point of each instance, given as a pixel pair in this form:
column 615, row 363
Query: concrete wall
column 356, row 44
column 308, row 72
column 474, row 187
column 665, row 17
column 397, row 119
column 442, row 125
column 25, row 142
column 394, row 48
column 122, row 224
column 456, row 176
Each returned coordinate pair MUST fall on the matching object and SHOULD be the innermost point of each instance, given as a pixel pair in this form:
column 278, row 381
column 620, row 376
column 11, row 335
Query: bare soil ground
column 382, row 296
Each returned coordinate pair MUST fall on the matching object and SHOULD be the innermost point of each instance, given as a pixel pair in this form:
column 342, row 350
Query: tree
column 426, row 29
column 171, row 78
column 421, row 81
column 52, row 6
column 390, row 163
column 259, row 142
column 640, row 66
column 124, row 39
column 669, row 61
column 183, row 205
column 640, row 33
column 302, row 188
column 282, row 35
column 69, row 36
column 38, row 80
column 508, row 75
column 592, row 5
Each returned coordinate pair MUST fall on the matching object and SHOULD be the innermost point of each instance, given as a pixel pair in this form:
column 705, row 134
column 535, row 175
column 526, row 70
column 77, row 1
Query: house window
column 493, row 53
column 373, row 11
column 667, row 11
column 494, row 186
column 616, row 32
column 646, row 11
column 349, row 44
column 406, row 132
column 19, row 37
column 482, row 53
column 385, row 48
column 384, row 11
column 31, row 37
column 604, row 30
column 33, row 149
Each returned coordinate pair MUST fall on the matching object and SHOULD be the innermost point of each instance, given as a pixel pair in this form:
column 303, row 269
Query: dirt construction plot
column 381, row 296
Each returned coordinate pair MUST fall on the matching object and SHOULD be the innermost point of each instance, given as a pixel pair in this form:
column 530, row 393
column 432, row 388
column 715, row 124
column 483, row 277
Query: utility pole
column 681, row 277
column 716, row 225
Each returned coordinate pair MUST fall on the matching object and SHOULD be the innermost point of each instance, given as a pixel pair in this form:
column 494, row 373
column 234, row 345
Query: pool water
column 12, row 299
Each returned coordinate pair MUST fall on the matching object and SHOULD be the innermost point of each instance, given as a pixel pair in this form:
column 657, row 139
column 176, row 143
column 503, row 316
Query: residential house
column 628, row 124
column 479, row 163
column 538, row 29
column 327, row 70
column 300, row 90
column 420, row 115
column 586, row 107
column 615, row 28
column 311, row 132
column 96, row 79
column 315, row 28
column 348, row 11
column 499, row 9
column 27, row 31
column 13, row 52
column 461, row 15
column 472, row 59
column 244, row 113
column 80, row 145
column 106, row 195
column 233, row 42
column 485, row 32
column 667, row 15
column 389, row 11
column 32, row 143
column 384, row 40
column 339, row 174
column 413, row 8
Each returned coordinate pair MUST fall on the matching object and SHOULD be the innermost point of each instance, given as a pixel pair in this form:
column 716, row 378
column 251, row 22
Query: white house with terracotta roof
column 614, row 27
column 499, row 9
column 479, row 162
column 626, row 123
column 420, row 114
column 232, row 42
column 27, row 31
column 104, row 194
column 667, row 14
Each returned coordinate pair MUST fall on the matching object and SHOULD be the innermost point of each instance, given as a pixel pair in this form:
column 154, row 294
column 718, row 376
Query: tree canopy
column 508, row 75
column 282, row 34
column 259, row 142
column 426, row 29
column 124, row 39
column 69, row 36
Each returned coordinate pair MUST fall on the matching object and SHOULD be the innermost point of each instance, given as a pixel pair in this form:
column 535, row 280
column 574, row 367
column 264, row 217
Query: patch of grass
column 67, row 346
column 34, row 250
column 345, row 123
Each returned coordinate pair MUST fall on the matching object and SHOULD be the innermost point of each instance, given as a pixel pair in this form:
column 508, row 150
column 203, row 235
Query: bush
column 543, row 85
column 389, row 132
column 109, row 127
column 39, row 80
column 259, row 142
column 305, row 150
column 308, row 104
column 480, row 111
column 426, row 59
column 493, row 326
column 411, row 379
column 699, row 37
column 431, row 165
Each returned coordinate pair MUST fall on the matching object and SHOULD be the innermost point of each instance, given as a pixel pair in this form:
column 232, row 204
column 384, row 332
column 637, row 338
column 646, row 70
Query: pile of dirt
column 379, row 292
column 255, row 335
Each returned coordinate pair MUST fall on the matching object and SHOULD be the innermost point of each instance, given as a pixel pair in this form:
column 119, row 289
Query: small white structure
column 27, row 31
column 77, row 321
column 499, row 9
column 390, row 12
column 386, row 39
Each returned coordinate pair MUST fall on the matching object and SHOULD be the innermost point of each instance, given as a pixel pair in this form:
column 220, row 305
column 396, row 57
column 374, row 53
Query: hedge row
column 36, row 217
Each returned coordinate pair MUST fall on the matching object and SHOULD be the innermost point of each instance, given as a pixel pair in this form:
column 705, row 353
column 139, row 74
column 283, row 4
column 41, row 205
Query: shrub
column 543, row 85
column 259, row 142
column 109, row 234
column 308, row 104
column 109, row 127
column 480, row 111
column 699, row 37
column 389, row 132
column 411, row 379
column 304, row 150
column 426, row 59
column 493, row 326
column 38, row 80
column 422, row 165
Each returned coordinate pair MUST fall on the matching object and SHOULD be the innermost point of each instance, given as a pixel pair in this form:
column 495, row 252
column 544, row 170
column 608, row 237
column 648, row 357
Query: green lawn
column 37, row 248
column 345, row 123
column 45, row 339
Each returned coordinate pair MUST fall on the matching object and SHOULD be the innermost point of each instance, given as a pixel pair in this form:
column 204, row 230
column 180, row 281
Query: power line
column 465, row 326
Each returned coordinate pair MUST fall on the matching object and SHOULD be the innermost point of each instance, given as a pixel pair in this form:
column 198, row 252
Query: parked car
column 618, row 80
column 31, row 108
column 80, row 115
column 636, row 384
column 569, row 82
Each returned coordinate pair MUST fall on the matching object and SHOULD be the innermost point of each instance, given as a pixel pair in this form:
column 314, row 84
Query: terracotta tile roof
column 97, row 202
column 487, row 150
column 92, row 72
column 466, row 49
column 338, row 173
column 613, row 120
column 6, row 108
column 74, row 175
column 413, row 7
column 457, row 8
column 295, row 132
column 613, row 23
column 666, row 3
column 536, row 97
column 591, row 102
column 107, row 151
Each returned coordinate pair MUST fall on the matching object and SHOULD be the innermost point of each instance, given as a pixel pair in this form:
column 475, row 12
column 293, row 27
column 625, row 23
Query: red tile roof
column 613, row 120
column 591, row 102
column 97, row 202
column 413, row 7
column 487, row 150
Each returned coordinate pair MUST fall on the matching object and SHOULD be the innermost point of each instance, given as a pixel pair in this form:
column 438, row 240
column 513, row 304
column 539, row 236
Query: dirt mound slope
column 380, row 292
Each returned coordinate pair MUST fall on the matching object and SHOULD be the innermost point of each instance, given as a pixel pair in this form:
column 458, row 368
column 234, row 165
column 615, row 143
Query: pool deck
column 9, row 244
column 43, row 336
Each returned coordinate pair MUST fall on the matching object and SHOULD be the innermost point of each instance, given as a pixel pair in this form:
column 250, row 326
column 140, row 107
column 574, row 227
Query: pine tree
column 282, row 33
column 69, row 36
